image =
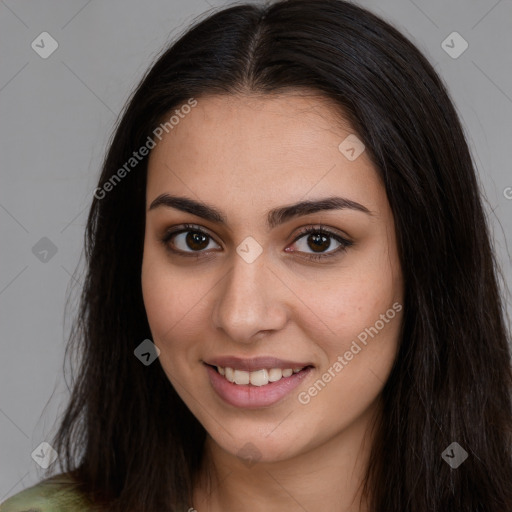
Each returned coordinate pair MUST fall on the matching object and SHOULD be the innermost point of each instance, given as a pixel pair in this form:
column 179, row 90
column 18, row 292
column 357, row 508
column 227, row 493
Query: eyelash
column 344, row 244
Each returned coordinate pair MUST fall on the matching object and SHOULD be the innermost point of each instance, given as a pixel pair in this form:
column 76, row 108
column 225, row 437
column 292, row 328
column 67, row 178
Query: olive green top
column 54, row 494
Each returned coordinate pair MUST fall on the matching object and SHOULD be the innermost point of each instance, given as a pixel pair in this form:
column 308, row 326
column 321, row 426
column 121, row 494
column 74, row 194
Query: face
column 236, row 275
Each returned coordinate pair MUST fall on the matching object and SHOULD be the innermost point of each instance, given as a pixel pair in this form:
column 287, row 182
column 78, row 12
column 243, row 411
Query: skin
column 245, row 155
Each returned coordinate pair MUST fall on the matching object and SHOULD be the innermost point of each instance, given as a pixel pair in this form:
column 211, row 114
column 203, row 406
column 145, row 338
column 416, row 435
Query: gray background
column 57, row 115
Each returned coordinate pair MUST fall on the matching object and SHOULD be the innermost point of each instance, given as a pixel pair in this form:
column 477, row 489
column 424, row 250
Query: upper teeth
column 258, row 377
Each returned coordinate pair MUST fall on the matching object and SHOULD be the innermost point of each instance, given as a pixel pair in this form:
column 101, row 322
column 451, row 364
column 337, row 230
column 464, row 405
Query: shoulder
column 55, row 494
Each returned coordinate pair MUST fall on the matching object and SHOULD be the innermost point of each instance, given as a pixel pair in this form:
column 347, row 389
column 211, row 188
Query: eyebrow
column 275, row 216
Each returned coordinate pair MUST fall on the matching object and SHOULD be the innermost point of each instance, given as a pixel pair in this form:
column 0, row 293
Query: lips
column 257, row 382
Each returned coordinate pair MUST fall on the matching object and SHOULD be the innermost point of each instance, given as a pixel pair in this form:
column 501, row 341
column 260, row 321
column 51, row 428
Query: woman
column 291, row 300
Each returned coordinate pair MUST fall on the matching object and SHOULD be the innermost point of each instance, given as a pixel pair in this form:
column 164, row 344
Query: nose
column 250, row 300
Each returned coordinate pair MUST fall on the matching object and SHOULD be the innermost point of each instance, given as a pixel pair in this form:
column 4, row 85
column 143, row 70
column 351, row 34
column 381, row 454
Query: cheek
column 355, row 319
column 347, row 304
column 357, row 356
column 165, row 298
column 177, row 311
column 163, row 310
column 159, row 303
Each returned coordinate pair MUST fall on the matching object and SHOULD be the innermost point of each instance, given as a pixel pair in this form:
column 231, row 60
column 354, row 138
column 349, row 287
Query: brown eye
column 196, row 241
column 318, row 241
column 188, row 239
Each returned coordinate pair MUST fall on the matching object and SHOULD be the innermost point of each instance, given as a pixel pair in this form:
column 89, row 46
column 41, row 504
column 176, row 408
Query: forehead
column 265, row 150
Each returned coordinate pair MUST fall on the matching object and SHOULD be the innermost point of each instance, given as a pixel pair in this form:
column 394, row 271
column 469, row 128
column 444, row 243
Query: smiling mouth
column 257, row 378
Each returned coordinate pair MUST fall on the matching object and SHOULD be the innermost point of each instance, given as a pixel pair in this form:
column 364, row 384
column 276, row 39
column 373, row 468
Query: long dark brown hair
column 126, row 436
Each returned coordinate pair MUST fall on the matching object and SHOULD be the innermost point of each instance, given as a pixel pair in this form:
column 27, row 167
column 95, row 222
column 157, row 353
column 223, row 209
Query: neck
column 326, row 477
